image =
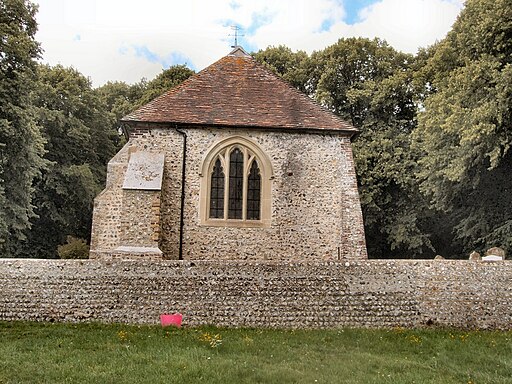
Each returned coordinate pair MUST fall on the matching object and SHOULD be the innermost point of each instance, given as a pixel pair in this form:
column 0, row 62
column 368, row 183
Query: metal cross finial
column 235, row 28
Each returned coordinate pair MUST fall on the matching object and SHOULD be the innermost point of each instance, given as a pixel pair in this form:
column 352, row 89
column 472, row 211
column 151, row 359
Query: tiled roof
column 236, row 91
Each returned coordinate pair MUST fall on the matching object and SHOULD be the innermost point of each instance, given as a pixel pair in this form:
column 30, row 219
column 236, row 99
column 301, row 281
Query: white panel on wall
column 144, row 171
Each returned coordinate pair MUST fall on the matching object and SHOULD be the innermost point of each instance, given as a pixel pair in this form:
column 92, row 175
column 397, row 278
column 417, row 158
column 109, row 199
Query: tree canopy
column 21, row 144
column 80, row 129
column 433, row 154
column 79, row 141
column 465, row 129
column 369, row 84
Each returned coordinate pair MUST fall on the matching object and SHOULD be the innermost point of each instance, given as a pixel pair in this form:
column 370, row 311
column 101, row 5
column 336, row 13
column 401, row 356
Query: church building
column 232, row 164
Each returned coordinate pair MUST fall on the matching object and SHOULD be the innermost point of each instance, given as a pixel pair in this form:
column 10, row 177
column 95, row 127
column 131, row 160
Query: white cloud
column 125, row 40
column 110, row 30
column 406, row 25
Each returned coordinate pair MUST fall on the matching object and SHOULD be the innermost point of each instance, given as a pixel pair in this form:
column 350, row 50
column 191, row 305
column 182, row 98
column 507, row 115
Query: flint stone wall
column 371, row 293
column 316, row 213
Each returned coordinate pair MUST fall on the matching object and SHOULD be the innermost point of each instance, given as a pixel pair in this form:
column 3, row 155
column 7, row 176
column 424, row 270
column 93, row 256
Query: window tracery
column 236, row 189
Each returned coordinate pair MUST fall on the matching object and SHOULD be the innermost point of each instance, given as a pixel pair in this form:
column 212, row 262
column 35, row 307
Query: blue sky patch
column 258, row 20
column 145, row 52
column 174, row 58
column 123, row 50
column 353, row 7
column 234, row 5
column 177, row 58
column 326, row 25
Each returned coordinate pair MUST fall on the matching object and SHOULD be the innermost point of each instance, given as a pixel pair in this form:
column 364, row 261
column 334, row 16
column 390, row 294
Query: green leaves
column 370, row 84
column 435, row 131
column 293, row 67
column 21, row 145
column 465, row 131
column 433, row 156
column 166, row 80
column 80, row 127
column 80, row 140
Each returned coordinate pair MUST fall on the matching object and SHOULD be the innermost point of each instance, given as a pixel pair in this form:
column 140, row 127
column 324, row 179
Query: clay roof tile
column 236, row 91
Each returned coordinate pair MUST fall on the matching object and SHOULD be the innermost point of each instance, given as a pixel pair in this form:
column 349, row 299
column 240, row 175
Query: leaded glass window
column 217, row 192
column 236, row 184
column 254, row 193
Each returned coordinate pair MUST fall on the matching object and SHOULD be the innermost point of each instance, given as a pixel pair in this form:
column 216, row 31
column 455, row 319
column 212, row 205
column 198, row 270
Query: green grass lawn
column 95, row 353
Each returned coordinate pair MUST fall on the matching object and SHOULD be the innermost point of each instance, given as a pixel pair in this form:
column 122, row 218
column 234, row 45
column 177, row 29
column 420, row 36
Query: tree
column 21, row 145
column 80, row 127
column 166, row 80
column 348, row 68
column 293, row 67
column 121, row 98
column 465, row 130
column 80, row 141
column 370, row 84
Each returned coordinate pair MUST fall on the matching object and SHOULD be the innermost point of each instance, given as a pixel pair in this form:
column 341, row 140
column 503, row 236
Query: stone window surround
column 266, row 171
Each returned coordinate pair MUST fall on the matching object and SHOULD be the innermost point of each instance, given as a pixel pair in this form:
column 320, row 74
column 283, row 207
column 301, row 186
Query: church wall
column 145, row 206
column 107, row 213
column 119, row 220
column 314, row 192
column 364, row 293
column 315, row 209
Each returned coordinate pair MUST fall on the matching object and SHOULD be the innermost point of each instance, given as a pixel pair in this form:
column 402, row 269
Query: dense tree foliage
column 79, row 142
column 80, row 128
column 21, row 145
column 441, row 186
column 369, row 84
column 121, row 98
column 433, row 154
column 465, row 130
column 166, row 80
column 293, row 67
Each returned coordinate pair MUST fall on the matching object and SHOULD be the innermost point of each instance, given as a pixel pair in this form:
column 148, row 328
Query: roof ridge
column 238, row 51
column 300, row 93
column 170, row 91
column 237, row 91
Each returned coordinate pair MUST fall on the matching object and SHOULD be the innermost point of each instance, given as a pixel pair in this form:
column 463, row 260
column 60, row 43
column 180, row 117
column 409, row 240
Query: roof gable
column 237, row 91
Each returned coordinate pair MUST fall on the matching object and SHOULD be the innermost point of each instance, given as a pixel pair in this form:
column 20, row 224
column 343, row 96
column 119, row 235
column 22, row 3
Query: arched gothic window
column 235, row 186
column 217, row 192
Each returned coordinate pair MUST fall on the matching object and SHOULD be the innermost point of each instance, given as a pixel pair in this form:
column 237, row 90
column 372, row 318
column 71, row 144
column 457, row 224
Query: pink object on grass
column 167, row 320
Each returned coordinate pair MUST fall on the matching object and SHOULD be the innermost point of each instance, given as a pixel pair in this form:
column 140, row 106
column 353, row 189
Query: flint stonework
column 366, row 293
column 309, row 208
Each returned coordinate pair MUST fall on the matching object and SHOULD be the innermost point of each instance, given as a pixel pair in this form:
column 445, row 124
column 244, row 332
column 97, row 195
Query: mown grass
column 95, row 353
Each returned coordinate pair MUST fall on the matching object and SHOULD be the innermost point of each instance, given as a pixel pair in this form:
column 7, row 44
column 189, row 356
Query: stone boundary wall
column 405, row 293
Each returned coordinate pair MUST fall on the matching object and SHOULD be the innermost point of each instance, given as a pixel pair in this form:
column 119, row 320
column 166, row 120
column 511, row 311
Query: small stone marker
column 475, row 256
column 492, row 258
column 439, row 257
column 496, row 251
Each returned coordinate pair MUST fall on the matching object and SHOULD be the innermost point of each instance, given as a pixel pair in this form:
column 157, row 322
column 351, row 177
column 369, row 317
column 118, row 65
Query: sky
column 122, row 40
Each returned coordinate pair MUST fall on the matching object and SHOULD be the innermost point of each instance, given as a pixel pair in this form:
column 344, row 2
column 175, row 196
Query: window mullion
column 226, row 185
column 245, row 181
column 249, row 163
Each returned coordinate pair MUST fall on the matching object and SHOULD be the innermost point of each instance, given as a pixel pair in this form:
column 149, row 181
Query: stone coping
column 350, row 262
